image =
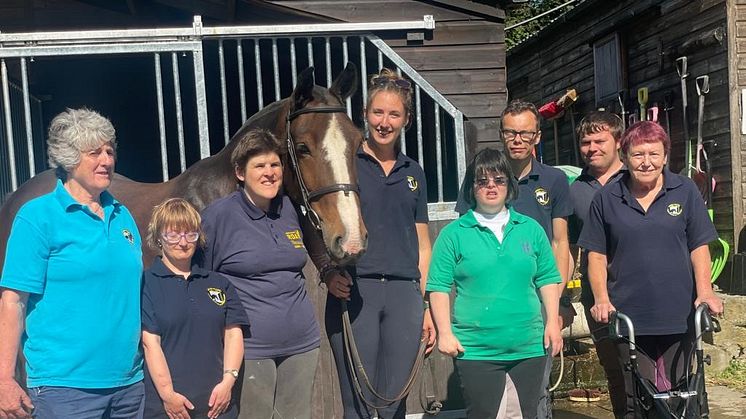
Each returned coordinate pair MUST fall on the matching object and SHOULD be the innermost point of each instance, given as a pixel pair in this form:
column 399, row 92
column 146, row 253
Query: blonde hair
column 405, row 94
column 175, row 213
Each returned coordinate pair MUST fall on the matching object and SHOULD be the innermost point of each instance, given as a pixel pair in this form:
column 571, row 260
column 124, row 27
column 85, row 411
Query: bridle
column 309, row 196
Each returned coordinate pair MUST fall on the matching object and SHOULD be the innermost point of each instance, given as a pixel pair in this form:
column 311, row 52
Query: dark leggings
column 483, row 383
column 386, row 320
column 661, row 359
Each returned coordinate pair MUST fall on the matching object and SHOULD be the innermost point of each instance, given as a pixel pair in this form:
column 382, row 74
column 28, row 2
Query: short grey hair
column 75, row 131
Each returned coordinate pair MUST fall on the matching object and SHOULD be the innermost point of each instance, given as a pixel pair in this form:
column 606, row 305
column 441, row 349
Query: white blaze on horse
column 319, row 169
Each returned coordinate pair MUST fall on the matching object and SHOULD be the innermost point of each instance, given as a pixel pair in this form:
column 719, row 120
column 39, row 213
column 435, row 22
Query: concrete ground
column 724, row 403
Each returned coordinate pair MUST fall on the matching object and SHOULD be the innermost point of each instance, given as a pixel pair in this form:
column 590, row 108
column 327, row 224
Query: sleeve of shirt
column 26, row 257
column 442, row 263
column 546, row 266
column 561, row 205
column 699, row 227
column 234, row 311
column 149, row 319
column 593, row 236
column 421, row 215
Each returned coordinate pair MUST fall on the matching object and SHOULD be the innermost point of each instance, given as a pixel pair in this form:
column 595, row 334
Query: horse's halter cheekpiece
column 306, row 195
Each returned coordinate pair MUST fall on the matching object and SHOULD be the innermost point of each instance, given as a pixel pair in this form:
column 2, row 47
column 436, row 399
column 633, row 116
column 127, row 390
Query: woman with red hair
column 647, row 237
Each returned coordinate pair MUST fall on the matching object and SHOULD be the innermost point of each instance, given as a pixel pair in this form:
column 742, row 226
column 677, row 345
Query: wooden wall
column 736, row 10
column 464, row 59
column 653, row 34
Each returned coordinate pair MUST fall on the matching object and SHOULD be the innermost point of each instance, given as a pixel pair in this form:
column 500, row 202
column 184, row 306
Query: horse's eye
column 302, row 148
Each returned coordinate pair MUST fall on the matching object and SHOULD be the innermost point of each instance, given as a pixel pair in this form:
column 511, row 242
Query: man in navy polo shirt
column 543, row 194
column 599, row 133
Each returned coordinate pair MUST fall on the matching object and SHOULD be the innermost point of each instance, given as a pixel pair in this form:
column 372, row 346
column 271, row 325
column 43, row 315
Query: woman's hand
column 600, row 311
column 428, row 332
column 553, row 337
column 177, row 406
column 714, row 302
column 449, row 345
column 338, row 284
column 220, row 398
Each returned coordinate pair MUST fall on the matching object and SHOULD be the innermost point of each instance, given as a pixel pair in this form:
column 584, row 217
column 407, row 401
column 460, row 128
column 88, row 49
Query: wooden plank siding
column 652, row 34
column 736, row 11
column 464, row 58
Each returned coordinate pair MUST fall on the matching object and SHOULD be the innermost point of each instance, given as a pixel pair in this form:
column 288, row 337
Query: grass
column 734, row 376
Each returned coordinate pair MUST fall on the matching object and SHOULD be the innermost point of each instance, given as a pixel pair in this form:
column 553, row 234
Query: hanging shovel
column 621, row 98
column 642, row 99
column 667, row 108
column 700, row 176
column 653, row 113
column 681, row 68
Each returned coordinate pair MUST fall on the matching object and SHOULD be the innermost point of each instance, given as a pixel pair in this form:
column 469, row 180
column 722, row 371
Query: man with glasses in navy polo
column 543, row 194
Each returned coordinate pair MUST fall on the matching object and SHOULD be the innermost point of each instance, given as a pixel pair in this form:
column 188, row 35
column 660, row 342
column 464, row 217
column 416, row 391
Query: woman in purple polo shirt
column 647, row 236
column 254, row 240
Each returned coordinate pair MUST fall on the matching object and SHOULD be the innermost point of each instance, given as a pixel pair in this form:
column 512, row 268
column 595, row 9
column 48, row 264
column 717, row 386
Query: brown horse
column 323, row 140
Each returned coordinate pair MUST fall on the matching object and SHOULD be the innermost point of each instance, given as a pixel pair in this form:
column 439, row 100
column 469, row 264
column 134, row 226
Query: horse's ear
column 303, row 92
column 346, row 83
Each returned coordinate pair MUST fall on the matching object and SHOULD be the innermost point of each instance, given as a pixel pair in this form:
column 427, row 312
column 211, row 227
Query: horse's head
column 322, row 142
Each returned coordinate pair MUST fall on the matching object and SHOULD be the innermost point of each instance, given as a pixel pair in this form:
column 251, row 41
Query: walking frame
column 688, row 398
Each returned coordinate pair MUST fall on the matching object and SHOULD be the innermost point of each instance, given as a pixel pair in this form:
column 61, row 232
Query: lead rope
column 575, row 275
column 355, row 365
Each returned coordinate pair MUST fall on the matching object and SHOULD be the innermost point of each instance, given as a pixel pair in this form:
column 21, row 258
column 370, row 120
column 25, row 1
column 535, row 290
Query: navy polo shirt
column 391, row 206
column 582, row 192
column 190, row 316
column 263, row 256
column 650, row 275
column 543, row 194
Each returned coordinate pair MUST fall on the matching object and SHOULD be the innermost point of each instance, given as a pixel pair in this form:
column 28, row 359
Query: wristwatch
column 234, row 373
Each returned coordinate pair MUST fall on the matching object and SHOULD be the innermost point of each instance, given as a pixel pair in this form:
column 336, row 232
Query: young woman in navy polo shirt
column 191, row 321
column 384, row 298
column 647, row 236
column 254, row 240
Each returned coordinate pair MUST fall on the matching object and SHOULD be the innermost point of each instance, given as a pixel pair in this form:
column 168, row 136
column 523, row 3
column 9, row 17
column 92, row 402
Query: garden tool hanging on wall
column 667, row 108
column 681, row 68
column 554, row 110
column 703, row 177
column 642, row 99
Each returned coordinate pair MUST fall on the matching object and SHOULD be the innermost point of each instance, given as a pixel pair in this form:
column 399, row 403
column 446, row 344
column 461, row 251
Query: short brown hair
column 519, row 106
column 255, row 142
column 598, row 121
column 176, row 213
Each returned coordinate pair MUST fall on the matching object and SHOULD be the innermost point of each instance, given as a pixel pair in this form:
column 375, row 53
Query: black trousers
column 386, row 318
column 483, row 383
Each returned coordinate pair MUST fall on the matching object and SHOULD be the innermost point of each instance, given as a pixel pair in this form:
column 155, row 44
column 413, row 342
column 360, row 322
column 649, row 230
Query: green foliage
column 734, row 376
column 517, row 14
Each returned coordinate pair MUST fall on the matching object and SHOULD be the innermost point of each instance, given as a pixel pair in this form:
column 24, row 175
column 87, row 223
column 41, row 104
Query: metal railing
column 268, row 59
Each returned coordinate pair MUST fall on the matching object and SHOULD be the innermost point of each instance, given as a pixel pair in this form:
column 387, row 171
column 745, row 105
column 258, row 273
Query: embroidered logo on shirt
column 128, row 236
column 526, row 248
column 412, row 183
column 542, row 196
column 295, row 238
column 674, row 210
column 217, row 296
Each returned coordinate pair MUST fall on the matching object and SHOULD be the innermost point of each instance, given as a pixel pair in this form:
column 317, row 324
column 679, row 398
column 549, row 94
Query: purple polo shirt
column 650, row 275
column 263, row 256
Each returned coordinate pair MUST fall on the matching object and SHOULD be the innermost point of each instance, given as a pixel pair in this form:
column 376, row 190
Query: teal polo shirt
column 496, row 314
column 83, row 276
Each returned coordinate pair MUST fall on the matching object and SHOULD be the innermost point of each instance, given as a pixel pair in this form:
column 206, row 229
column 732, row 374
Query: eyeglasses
column 525, row 136
column 384, row 81
column 174, row 238
column 483, row 182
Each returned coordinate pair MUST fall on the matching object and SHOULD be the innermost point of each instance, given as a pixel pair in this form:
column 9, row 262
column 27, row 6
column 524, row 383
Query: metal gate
column 261, row 60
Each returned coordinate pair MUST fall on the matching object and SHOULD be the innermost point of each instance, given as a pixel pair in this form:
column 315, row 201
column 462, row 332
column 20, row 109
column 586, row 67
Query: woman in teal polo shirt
column 497, row 258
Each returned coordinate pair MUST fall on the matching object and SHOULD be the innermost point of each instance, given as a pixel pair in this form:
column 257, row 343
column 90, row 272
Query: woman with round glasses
column 191, row 321
column 384, row 290
column 497, row 259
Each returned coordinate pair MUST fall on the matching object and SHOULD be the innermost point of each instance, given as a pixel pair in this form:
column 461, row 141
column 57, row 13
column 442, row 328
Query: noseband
column 306, row 195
